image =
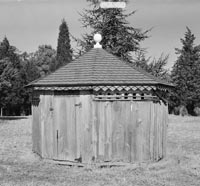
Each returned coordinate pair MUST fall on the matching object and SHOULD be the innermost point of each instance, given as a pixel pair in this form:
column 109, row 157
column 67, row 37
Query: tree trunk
column 1, row 111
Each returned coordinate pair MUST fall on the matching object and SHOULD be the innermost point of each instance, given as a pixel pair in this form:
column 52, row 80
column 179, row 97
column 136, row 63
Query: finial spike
column 97, row 39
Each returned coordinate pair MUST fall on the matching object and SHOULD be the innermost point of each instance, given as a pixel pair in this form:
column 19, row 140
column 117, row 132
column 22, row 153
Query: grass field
column 20, row 167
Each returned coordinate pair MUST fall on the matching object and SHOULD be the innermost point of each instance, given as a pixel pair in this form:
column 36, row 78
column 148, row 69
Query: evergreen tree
column 156, row 67
column 119, row 37
column 64, row 52
column 186, row 74
column 10, row 82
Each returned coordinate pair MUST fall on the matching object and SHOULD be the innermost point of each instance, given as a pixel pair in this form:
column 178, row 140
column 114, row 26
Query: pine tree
column 64, row 52
column 186, row 74
column 156, row 67
column 119, row 37
column 4, row 48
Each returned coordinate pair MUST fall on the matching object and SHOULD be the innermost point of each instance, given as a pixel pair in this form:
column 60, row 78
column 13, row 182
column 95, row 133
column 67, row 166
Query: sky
column 30, row 23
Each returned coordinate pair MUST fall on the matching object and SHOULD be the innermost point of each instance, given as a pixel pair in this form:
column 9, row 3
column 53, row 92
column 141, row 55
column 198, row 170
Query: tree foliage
column 64, row 51
column 156, row 67
column 186, row 74
column 44, row 59
column 119, row 37
column 18, row 70
column 10, row 79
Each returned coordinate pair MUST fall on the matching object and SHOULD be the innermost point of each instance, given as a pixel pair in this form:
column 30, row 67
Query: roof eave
column 101, row 84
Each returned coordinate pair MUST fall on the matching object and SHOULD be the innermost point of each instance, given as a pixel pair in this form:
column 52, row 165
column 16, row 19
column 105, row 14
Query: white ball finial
column 97, row 39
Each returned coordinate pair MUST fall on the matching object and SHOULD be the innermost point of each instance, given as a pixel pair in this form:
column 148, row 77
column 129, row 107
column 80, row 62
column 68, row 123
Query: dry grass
column 19, row 166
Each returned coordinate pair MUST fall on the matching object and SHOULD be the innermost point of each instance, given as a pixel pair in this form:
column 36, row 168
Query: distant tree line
column 121, row 39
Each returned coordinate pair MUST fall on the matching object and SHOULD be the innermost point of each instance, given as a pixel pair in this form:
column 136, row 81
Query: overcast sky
column 30, row 23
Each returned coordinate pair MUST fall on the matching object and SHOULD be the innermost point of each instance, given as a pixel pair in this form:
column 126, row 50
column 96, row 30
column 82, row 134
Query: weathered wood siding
column 72, row 127
column 130, row 131
column 47, row 125
column 65, row 123
column 36, row 129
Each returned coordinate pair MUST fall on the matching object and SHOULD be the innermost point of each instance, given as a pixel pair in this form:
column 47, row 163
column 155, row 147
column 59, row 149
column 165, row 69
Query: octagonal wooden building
column 99, row 109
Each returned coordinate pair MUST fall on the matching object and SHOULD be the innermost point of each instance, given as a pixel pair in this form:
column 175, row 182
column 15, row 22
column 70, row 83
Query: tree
column 186, row 74
column 10, row 84
column 29, row 72
column 119, row 37
column 156, row 67
column 44, row 59
column 64, row 52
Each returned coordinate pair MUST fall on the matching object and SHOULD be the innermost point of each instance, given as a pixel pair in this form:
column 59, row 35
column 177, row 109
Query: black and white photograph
column 99, row 93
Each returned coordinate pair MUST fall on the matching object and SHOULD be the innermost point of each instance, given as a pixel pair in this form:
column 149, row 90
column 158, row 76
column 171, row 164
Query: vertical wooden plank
column 165, row 123
column 106, row 124
column 159, row 117
column 127, row 131
column 133, row 131
column 95, row 136
column 57, row 122
column 118, row 131
column 78, row 126
column 155, row 133
column 151, row 138
column 67, row 130
column 161, row 123
column 158, row 131
column 91, row 124
column 94, row 129
column 101, row 130
column 81, row 126
column 36, row 129
column 42, row 125
column 161, row 129
column 147, row 129
column 86, row 149
column 139, row 136
column 73, row 134
column 60, row 129
column 47, row 125
column 143, row 128
column 109, row 130
column 103, row 125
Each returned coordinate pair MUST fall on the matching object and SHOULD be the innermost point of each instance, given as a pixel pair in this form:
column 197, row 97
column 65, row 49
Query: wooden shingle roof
column 98, row 67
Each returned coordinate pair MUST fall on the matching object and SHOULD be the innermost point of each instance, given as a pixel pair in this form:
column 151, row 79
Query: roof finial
column 97, row 39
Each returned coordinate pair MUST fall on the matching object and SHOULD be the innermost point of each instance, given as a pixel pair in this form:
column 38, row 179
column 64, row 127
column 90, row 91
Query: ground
column 20, row 167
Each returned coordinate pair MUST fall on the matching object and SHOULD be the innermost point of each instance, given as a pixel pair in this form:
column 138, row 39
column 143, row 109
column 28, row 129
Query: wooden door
column 47, row 125
column 65, row 127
